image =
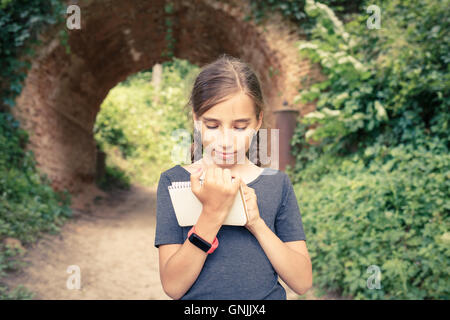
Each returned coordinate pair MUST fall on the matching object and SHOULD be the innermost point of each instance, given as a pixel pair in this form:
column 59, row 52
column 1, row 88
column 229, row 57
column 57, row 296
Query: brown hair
column 217, row 81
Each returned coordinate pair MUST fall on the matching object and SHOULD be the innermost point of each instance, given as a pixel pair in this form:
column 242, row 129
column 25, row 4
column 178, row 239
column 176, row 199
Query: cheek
column 243, row 141
column 209, row 136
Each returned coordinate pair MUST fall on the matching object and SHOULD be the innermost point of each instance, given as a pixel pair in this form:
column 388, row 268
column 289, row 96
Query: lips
column 225, row 154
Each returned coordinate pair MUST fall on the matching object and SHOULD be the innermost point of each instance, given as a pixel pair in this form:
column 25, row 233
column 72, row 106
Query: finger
column 218, row 176
column 209, row 176
column 250, row 195
column 227, row 177
column 237, row 182
column 195, row 180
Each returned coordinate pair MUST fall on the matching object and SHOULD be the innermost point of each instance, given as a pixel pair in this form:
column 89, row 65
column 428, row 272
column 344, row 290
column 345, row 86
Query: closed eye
column 240, row 129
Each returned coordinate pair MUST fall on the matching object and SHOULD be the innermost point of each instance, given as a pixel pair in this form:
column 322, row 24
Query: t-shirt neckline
column 250, row 183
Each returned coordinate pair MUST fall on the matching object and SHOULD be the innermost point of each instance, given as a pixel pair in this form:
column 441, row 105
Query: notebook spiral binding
column 184, row 184
column 180, row 185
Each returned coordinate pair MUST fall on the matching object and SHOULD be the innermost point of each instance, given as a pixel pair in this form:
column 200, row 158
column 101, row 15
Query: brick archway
column 63, row 92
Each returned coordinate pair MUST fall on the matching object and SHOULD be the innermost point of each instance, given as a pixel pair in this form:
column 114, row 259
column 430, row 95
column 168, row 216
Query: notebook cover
column 188, row 208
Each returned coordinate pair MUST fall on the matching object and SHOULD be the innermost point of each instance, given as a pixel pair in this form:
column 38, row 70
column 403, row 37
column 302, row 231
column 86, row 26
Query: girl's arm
column 292, row 265
column 290, row 259
column 179, row 270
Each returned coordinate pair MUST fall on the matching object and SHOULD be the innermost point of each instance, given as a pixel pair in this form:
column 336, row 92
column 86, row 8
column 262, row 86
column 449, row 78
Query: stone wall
column 63, row 92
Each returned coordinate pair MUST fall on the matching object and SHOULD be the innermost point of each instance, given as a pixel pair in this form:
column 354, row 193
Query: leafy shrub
column 295, row 9
column 114, row 178
column 393, row 214
column 386, row 86
column 28, row 204
column 373, row 183
column 20, row 22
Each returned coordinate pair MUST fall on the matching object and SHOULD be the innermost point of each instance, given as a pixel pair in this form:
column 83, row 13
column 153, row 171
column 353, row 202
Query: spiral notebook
column 188, row 208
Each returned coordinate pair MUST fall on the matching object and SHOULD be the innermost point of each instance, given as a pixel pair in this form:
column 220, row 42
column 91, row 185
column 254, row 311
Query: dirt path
column 111, row 242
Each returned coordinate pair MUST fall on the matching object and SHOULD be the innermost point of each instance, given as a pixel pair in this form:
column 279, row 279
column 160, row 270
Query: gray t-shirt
column 239, row 268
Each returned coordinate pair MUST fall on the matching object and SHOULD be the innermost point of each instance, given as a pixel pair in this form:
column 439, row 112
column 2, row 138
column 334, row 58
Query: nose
column 226, row 141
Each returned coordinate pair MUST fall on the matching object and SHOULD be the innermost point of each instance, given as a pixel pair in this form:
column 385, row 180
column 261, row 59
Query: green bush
column 20, row 23
column 373, row 187
column 388, row 85
column 295, row 10
column 114, row 178
column 28, row 204
column 393, row 214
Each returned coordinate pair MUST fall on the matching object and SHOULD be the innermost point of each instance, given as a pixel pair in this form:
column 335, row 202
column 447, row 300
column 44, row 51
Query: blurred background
column 93, row 108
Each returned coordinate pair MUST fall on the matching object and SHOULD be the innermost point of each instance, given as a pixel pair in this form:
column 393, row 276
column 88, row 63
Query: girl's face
column 227, row 130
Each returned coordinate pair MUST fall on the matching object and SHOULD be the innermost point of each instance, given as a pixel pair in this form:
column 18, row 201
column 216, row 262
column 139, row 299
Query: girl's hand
column 252, row 205
column 217, row 193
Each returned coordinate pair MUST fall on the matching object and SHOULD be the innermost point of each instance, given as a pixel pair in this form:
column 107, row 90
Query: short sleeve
column 288, row 222
column 167, row 229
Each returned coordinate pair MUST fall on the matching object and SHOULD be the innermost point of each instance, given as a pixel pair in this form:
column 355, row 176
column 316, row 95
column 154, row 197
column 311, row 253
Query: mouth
column 225, row 155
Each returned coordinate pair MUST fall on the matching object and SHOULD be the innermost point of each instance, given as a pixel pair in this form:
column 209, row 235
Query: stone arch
column 63, row 92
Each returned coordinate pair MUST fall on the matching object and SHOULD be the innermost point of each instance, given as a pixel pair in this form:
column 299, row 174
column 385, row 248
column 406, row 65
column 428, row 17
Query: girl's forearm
column 182, row 269
column 185, row 265
column 293, row 267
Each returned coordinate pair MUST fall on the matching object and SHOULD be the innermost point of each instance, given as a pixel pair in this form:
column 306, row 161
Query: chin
column 222, row 163
column 229, row 162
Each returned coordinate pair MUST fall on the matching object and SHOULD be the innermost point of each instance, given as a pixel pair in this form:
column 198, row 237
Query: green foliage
column 114, row 178
column 388, row 86
column 291, row 9
column 20, row 22
column 295, row 10
column 169, row 23
column 373, row 185
column 19, row 293
column 142, row 121
column 392, row 213
column 28, row 204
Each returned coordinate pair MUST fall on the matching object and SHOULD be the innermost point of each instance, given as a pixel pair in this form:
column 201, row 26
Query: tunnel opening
column 144, row 126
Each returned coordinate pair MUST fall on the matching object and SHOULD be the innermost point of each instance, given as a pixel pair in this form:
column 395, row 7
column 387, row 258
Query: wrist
column 201, row 243
column 256, row 226
column 207, row 228
column 214, row 218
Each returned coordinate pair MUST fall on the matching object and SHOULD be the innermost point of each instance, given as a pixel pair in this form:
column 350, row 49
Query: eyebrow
column 237, row 120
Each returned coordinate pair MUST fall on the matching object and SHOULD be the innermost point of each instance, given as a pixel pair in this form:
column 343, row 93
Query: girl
column 215, row 261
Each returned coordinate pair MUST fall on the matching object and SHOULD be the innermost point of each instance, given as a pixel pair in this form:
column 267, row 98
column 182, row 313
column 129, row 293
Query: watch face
column 199, row 242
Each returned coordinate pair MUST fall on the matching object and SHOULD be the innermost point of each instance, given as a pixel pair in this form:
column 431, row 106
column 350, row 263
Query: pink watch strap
column 214, row 245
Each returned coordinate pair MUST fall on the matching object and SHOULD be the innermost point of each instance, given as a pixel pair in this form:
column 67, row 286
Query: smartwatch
column 201, row 243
